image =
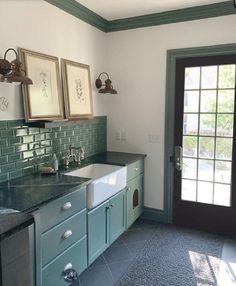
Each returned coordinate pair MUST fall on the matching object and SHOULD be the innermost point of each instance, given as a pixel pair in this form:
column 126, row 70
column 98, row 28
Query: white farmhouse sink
column 106, row 180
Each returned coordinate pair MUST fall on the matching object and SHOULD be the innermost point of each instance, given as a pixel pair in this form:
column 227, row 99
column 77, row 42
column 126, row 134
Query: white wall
column 137, row 65
column 39, row 26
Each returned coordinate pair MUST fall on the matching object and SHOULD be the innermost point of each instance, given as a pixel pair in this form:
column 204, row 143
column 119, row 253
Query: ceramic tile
column 18, row 140
column 136, row 235
column 118, row 269
column 97, row 276
column 116, row 253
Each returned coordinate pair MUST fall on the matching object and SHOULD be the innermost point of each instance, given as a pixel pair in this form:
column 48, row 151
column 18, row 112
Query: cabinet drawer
column 134, row 169
column 57, row 239
column 62, row 208
column 76, row 255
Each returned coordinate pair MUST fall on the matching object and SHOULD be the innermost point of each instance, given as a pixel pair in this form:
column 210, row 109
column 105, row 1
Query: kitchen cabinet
column 134, row 192
column 106, row 223
column 60, row 238
column 117, row 216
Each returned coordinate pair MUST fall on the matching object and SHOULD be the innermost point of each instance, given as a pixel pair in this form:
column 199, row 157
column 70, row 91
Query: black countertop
column 26, row 194
column 116, row 158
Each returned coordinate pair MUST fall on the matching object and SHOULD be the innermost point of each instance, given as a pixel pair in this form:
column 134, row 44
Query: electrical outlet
column 118, row 135
column 123, row 136
column 153, row 138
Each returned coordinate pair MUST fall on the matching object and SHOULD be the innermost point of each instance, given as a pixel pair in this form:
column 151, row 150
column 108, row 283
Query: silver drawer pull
column 136, row 169
column 66, row 206
column 67, row 234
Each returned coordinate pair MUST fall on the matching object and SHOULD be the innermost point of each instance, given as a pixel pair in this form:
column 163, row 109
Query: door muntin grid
column 208, row 119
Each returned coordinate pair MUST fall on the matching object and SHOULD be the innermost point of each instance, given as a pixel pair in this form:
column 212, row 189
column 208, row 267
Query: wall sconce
column 108, row 86
column 12, row 71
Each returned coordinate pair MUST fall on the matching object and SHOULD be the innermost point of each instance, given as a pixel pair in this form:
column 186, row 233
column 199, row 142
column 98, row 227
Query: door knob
column 178, row 158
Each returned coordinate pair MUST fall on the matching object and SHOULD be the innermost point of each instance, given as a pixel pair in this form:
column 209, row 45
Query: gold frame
column 86, row 95
column 54, row 89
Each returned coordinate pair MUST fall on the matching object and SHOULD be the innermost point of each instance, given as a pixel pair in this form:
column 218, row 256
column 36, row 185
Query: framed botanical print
column 42, row 100
column 77, row 90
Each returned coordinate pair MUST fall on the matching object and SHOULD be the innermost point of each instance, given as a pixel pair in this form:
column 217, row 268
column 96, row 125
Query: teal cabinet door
column 117, row 215
column 98, row 231
column 134, row 198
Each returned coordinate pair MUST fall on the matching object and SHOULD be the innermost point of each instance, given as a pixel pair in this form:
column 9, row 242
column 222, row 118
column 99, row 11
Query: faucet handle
column 82, row 154
column 66, row 161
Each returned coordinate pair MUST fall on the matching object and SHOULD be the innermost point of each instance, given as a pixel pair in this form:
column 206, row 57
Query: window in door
column 208, row 120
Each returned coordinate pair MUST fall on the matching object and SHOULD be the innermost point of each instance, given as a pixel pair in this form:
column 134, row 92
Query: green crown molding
column 81, row 12
column 181, row 15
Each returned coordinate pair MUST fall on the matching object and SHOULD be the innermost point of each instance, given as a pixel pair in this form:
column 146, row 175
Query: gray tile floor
column 115, row 261
column 110, row 266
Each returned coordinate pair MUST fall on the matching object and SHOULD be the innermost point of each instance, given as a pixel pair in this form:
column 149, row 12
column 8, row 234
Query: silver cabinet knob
column 66, row 206
column 136, row 169
column 67, row 234
column 68, row 266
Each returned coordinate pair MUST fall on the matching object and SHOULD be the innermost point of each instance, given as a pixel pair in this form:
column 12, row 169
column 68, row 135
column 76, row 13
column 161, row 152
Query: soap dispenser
column 55, row 162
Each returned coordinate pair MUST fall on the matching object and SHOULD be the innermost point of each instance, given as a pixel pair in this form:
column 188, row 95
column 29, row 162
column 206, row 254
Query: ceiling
column 111, row 10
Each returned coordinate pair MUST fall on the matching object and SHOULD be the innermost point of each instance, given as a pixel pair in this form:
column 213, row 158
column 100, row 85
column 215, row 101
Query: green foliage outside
column 224, row 121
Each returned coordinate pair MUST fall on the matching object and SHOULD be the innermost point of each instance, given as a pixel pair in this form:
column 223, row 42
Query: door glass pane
column 206, row 147
column 205, row 170
column 208, row 101
column 189, row 190
column 191, row 101
column 222, row 195
column 226, row 100
column 190, row 124
column 224, row 148
column 205, row 192
column 189, row 168
column 227, row 76
column 225, row 125
column 192, row 78
column 207, row 124
column 209, row 77
column 190, row 146
column 223, row 172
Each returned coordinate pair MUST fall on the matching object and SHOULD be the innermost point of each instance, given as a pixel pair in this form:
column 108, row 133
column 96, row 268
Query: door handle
column 178, row 158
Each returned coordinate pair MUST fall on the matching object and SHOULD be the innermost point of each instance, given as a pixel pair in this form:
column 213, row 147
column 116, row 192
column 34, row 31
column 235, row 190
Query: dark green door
column 204, row 186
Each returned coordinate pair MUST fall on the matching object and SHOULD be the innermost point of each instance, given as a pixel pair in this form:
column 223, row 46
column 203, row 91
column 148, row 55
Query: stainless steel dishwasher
column 14, row 248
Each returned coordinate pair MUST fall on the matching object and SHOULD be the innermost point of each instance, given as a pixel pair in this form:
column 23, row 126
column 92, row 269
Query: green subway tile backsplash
column 24, row 149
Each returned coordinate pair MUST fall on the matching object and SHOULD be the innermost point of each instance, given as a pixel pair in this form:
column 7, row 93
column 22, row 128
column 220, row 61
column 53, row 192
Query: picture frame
column 77, row 90
column 42, row 100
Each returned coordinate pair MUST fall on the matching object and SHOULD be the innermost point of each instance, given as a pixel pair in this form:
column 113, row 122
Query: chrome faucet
column 74, row 157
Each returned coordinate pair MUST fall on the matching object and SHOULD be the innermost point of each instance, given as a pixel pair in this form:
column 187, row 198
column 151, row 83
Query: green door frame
column 172, row 56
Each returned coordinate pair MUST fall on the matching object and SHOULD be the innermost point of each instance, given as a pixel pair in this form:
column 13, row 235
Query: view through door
column 204, row 181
